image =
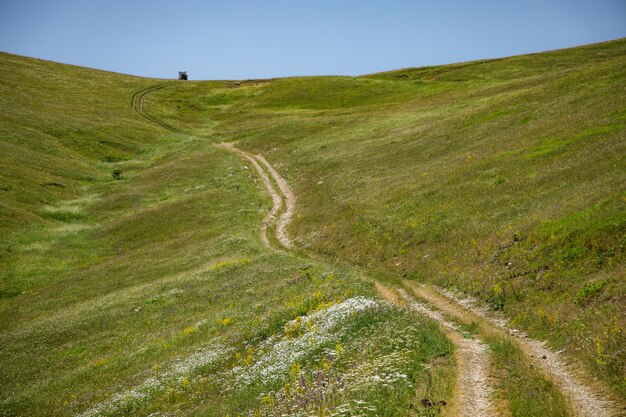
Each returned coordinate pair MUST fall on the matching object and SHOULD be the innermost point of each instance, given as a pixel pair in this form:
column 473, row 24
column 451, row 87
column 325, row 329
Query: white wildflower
column 153, row 386
column 319, row 328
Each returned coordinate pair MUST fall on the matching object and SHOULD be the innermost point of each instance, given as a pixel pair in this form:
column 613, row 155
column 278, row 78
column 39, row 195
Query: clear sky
column 257, row 39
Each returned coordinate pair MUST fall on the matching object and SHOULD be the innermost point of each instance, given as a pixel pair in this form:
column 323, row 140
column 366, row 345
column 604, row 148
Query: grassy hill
column 149, row 291
column 505, row 178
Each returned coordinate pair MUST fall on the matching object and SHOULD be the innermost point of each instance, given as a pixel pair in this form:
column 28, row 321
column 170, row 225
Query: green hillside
column 504, row 178
column 150, row 291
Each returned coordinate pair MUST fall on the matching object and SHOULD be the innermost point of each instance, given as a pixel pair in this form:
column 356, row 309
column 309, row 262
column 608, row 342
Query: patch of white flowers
column 384, row 371
column 355, row 408
column 155, row 385
column 274, row 358
column 321, row 327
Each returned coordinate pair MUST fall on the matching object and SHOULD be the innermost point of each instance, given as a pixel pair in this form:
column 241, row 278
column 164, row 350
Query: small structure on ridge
column 182, row 75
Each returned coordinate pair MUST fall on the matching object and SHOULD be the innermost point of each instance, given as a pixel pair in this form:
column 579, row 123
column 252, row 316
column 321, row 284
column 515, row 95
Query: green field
column 133, row 280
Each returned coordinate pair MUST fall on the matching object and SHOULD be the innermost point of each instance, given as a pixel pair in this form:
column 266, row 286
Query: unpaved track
column 473, row 390
column 473, row 387
column 277, row 203
column 258, row 162
column 290, row 202
column 263, row 168
column 137, row 105
column 586, row 401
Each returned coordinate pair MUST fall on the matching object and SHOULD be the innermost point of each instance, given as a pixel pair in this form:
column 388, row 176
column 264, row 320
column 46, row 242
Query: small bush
column 571, row 253
column 117, row 174
column 588, row 291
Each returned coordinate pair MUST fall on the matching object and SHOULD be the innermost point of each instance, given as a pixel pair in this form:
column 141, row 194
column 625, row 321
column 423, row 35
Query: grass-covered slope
column 151, row 292
column 62, row 128
column 505, row 178
column 60, row 124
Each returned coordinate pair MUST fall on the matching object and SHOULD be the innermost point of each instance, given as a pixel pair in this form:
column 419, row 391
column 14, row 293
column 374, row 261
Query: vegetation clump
column 117, row 174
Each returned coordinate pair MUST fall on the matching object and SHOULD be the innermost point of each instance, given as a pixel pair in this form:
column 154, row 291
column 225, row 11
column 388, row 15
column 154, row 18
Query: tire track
column 290, row 203
column 473, row 393
column 137, row 105
column 473, row 389
column 585, row 400
column 267, row 173
column 265, row 170
column 277, row 202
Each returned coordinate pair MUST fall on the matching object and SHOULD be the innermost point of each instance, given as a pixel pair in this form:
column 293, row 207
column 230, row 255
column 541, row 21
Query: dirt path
column 585, row 400
column 473, row 390
column 290, row 202
column 265, row 170
column 137, row 104
column 277, row 202
column 258, row 162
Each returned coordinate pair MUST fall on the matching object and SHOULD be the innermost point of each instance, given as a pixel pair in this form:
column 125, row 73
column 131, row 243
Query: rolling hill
column 135, row 280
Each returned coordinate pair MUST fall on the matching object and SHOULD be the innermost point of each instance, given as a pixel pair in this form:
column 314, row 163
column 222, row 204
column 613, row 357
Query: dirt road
column 473, row 390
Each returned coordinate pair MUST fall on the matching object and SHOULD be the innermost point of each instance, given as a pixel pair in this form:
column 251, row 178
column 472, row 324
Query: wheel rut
column 137, row 104
column 586, row 400
column 473, row 388
column 290, row 203
column 265, row 171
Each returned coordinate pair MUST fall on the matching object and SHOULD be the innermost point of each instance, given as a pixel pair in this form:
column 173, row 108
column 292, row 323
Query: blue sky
column 259, row 39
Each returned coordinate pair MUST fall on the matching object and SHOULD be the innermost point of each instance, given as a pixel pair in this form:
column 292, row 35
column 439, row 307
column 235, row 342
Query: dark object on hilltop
column 182, row 75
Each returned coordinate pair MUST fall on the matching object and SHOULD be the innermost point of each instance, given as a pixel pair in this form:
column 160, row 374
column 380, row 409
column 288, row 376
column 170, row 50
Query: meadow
column 134, row 281
column 503, row 178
